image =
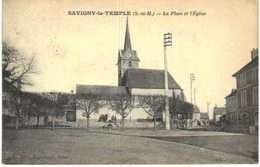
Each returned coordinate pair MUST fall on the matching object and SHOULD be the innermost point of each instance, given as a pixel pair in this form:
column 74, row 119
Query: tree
column 35, row 107
column 122, row 104
column 29, row 107
column 15, row 67
column 180, row 109
column 39, row 107
column 19, row 103
column 88, row 103
column 151, row 105
column 54, row 101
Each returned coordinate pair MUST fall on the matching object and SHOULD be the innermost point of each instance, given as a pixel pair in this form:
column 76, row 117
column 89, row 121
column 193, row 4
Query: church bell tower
column 127, row 58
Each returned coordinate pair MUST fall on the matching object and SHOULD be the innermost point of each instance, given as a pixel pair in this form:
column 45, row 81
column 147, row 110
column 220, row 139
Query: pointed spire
column 127, row 38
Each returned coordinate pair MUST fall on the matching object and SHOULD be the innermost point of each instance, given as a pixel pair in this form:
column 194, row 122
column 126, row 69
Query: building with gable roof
column 218, row 113
column 247, row 93
column 231, row 107
column 132, row 81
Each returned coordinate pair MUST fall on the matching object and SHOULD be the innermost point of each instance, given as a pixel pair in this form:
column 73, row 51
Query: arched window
column 130, row 64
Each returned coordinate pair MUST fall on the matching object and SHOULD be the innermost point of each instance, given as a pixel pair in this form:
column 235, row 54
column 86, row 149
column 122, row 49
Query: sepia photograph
column 129, row 82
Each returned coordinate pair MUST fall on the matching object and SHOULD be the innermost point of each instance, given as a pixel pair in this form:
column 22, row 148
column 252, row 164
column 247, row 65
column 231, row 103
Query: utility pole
column 194, row 96
column 208, row 103
column 167, row 42
column 192, row 79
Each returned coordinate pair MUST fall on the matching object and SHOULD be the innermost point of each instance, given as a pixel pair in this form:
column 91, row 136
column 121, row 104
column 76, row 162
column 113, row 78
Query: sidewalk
column 164, row 133
column 232, row 143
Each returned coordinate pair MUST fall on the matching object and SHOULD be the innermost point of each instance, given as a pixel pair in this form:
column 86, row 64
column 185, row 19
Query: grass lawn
column 71, row 146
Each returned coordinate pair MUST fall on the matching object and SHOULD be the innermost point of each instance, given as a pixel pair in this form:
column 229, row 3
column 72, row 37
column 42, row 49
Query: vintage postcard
column 130, row 82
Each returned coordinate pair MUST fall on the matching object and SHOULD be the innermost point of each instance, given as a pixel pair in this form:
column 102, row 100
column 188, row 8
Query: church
column 132, row 81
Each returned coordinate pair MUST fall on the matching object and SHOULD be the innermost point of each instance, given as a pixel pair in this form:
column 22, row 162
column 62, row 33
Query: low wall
column 128, row 124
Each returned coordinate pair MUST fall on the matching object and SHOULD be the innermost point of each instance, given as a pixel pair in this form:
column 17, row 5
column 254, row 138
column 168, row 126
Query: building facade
column 218, row 114
column 195, row 116
column 204, row 119
column 247, row 93
column 231, row 107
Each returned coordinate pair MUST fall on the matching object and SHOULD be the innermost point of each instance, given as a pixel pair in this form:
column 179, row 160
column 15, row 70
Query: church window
column 130, row 64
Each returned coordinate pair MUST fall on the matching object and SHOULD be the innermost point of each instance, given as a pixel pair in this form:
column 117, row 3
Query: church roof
column 147, row 79
column 100, row 90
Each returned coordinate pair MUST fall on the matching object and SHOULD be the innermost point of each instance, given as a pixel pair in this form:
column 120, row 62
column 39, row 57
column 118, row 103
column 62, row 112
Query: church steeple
column 127, row 38
column 127, row 58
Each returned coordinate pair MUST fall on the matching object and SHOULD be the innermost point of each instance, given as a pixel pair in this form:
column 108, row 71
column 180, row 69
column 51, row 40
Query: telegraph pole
column 194, row 96
column 208, row 103
column 192, row 79
column 167, row 42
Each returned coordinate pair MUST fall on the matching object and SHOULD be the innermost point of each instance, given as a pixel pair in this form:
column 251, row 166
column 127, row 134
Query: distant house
column 218, row 112
column 204, row 119
column 195, row 116
column 247, row 93
column 231, row 107
column 199, row 118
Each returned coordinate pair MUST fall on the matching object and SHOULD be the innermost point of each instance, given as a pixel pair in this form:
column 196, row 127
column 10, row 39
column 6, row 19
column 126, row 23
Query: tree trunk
column 172, row 123
column 38, row 118
column 53, row 122
column 28, row 123
column 17, row 123
column 154, row 123
column 123, row 123
column 186, row 122
column 178, row 122
column 87, row 123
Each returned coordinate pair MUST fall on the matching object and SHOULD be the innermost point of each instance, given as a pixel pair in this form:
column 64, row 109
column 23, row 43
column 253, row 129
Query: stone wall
column 128, row 124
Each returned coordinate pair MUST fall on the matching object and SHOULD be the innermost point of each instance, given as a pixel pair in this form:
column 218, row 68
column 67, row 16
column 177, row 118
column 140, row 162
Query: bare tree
column 54, row 102
column 18, row 104
column 34, row 107
column 15, row 67
column 152, row 105
column 39, row 107
column 122, row 104
column 88, row 103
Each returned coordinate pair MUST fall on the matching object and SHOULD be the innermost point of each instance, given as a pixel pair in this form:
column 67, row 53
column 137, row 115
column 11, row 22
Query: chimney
column 254, row 53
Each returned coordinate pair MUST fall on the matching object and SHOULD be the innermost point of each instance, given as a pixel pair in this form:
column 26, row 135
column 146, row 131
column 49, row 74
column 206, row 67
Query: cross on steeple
column 127, row 38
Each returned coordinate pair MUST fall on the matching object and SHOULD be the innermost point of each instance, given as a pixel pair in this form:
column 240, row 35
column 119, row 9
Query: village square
column 150, row 116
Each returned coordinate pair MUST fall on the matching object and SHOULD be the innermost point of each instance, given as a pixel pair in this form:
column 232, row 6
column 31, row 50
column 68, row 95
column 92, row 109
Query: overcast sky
column 83, row 49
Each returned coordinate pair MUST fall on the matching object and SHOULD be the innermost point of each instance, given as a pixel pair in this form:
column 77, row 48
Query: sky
column 83, row 49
